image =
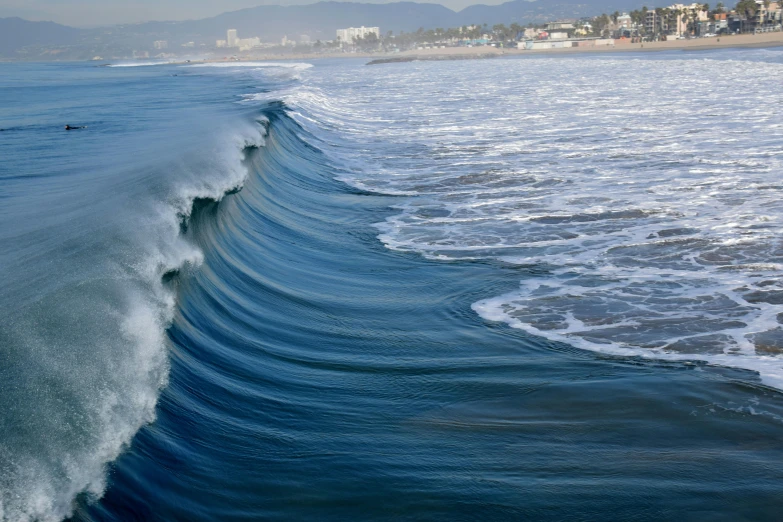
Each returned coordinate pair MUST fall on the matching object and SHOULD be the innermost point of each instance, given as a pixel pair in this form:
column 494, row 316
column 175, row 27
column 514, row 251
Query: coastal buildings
column 535, row 45
column 676, row 20
column 352, row 33
column 564, row 26
column 583, row 28
column 764, row 16
column 719, row 24
column 651, row 21
column 246, row 44
column 768, row 14
column 233, row 41
column 681, row 20
column 161, row 44
column 683, row 17
column 231, row 38
column 560, row 30
column 530, row 33
column 624, row 21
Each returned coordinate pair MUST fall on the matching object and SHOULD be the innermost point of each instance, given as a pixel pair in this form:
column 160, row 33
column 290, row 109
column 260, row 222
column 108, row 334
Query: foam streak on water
column 646, row 191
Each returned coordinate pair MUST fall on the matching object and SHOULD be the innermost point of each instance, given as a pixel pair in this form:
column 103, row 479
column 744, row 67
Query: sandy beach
column 724, row 42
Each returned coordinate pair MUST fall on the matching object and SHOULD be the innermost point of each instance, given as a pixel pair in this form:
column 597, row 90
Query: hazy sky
column 86, row 13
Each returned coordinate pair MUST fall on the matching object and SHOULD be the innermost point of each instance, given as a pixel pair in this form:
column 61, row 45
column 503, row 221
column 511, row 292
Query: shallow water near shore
column 528, row 288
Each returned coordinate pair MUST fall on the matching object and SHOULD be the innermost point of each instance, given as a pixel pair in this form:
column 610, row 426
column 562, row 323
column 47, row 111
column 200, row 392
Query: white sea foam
column 646, row 192
column 257, row 65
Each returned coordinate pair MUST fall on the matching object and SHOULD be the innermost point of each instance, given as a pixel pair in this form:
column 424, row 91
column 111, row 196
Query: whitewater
column 524, row 287
column 654, row 213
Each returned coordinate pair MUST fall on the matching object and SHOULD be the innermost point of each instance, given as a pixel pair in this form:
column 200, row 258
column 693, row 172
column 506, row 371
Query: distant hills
column 23, row 39
column 16, row 33
column 319, row 20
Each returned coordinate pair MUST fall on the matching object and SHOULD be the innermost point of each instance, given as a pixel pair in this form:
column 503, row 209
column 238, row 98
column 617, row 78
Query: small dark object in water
column 68, row 127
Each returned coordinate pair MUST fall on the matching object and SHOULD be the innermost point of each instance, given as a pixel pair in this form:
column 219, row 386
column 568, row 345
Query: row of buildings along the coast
column 234, row 42
column 663, row 23
column 693, row 20
column 676, row 21
column 698, row 20
column 344, row 36
column 352, row 34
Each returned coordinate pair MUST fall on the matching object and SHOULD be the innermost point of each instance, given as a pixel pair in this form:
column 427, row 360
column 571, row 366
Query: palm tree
column 663, row 19
column 747, row 9
column 687, row 18
column 694, row 23
column 679, row 14
column 515, row 30
column 499, row 31
column 690, row 19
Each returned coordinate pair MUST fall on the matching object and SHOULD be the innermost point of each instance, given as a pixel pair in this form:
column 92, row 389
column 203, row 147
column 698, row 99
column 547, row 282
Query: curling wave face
column 91, row 225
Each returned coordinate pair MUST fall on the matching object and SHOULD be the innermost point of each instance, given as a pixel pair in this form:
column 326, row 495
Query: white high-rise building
column 246, row 44
column 352, row 33
column 231, row 38
column 161, row 44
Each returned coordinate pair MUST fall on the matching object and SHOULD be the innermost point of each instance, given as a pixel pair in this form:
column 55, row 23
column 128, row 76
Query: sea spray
column 85, row 349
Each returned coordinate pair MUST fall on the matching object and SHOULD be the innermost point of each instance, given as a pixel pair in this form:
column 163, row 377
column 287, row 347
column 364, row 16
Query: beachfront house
column 685, row 19
column 768, row 15
column 624, row 21
column 560, row 28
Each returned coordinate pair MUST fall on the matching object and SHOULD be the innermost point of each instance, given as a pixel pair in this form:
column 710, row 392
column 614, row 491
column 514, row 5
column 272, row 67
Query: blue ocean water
column 537, row 288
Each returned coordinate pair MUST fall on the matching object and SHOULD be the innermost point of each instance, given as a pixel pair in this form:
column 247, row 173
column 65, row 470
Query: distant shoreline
column 746, row 41
column 457, row 53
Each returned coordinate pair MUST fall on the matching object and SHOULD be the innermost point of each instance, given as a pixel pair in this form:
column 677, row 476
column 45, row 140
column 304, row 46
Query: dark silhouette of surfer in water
column 68, row 127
